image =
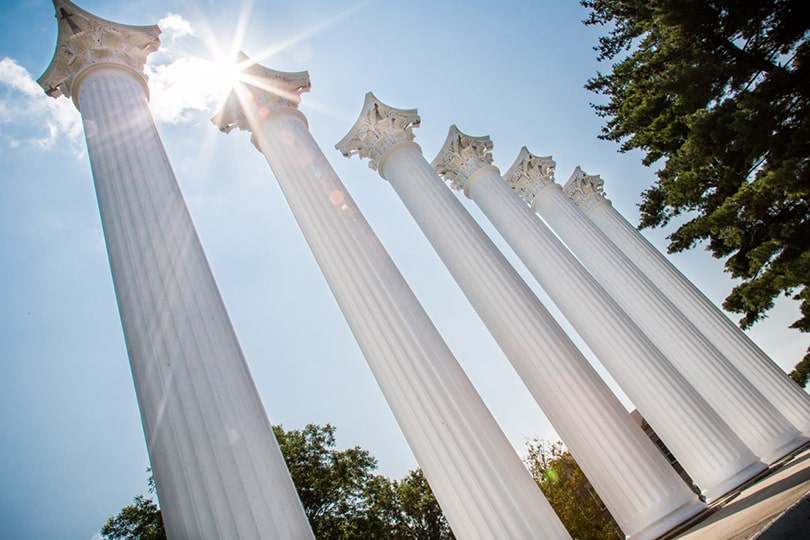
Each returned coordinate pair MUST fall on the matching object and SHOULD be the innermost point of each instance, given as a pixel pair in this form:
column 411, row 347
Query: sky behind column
column 72, row 450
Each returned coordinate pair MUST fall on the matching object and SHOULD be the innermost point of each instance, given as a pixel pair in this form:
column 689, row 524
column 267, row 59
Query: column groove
column 634, row 480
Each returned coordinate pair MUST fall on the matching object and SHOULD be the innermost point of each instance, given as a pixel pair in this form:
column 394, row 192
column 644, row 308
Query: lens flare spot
column 336, row 197
column 90, row 129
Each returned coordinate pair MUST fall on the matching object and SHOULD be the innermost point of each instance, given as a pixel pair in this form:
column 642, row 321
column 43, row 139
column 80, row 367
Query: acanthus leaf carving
column 84, row 40
column 461, row 156
column 377, row 130
column 586, row 190
column 261, row 88
column 530, row 174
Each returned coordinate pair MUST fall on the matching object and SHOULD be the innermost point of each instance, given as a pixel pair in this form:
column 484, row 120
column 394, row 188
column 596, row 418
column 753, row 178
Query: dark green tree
column 140, row 520
column 420, row 516
column 717, row 93
column 569, row 492
column 331, row 483
column 801, row 373
column 342, row 496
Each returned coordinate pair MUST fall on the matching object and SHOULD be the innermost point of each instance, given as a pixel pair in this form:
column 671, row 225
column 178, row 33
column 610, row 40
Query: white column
column 715, row 458
column 635, row 482
column 753, row 363
column 479, row 480
column 752, row 418
column 217, row 466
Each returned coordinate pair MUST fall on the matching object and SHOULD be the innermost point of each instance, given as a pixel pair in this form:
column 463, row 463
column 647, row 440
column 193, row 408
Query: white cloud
column 14, row 75
column 180, row 83
column 174, row 26
column 27, row 111
column 182, row 86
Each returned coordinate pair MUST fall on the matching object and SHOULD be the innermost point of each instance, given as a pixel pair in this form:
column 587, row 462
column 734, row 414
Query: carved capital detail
column 530, row 174
column 586, row 190
column 461, row 156
column 262, row 90
column 84, row 40
column 377, row 130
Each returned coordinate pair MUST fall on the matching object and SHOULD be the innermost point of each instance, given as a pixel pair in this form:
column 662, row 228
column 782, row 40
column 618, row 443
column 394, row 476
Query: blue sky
column 72, row 449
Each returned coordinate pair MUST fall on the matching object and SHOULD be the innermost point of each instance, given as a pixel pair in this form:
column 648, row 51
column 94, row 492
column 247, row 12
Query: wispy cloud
column 181, row 85
column 18, row 78
column 29, row 117
column 175, row 26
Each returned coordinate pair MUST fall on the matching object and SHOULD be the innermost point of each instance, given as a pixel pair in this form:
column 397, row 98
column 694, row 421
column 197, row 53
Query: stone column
column 715, row 458
column 788, row 398
column 218, row 469
column 635, row 482
column 752, row 418
column 482, row 486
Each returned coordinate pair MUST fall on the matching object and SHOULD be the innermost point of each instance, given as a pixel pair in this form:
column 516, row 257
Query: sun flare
column 225, row 73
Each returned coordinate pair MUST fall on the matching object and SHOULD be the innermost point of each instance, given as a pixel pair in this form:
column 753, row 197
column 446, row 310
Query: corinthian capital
column 258, row 92
column 530, row 174
column 586, row 190
column 84, row 40
column 377, row 130
column 462, row 156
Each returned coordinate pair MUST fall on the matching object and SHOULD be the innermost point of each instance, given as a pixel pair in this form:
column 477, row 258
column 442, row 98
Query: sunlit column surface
column 615, row 454
column 218, row 469
column 715, row 458
column 482, row 486
column 752, row 418
column 587, row 191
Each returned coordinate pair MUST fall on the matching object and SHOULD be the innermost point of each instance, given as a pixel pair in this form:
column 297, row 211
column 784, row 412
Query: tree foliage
column 801, row 373
column 140, row 520
column 342, row 496
column 718, row 93
column 419, row 516
column 569, row 492
column 331, row 483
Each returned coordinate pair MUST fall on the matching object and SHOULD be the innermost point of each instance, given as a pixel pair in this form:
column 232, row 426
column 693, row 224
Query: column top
column 377, row 130
column 84, row 40
column 462, row 156
column 265, row 89
column 586, row 190
column 530, row 174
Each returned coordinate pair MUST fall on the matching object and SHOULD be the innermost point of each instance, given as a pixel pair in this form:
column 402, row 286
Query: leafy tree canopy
column 331, row 483
column 342, row 496
column 717, row 93
column 419, row 515
column 569, row 492
column 140, row 520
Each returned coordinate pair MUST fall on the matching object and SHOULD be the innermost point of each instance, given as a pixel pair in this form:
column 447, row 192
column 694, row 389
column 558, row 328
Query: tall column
column 218, row 469
column 788, row 398
column 752, row 418
column 479, row 480
column 629, row 473
column 715, row 458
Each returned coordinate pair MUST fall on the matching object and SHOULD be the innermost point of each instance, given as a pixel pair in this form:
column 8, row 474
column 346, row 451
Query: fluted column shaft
column 788, row 398
column 482, row 486
column 635, row 482
column 715, row 458
column 752, row 418
column 218, row 469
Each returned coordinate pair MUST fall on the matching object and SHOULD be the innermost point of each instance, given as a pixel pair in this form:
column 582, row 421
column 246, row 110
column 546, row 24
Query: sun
column 224, row 73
